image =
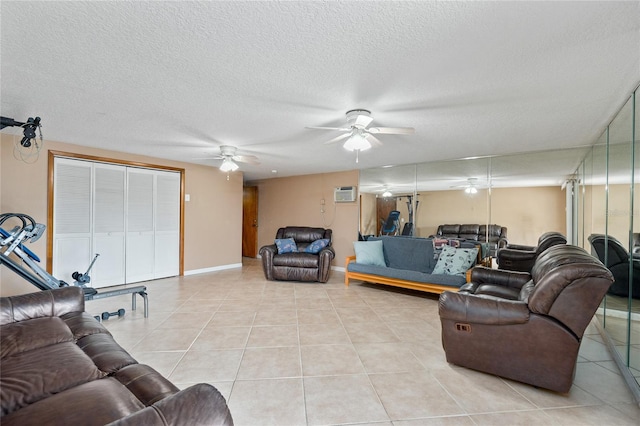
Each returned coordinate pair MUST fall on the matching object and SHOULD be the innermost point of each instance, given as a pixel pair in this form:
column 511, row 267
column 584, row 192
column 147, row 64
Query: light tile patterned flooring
column 286, row 353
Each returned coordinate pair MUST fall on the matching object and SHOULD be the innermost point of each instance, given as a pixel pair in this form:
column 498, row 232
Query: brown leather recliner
column 534, row 336
column 516, row 257
column 300, row 265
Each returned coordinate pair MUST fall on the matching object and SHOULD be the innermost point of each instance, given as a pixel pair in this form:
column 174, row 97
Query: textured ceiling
column 178, row 79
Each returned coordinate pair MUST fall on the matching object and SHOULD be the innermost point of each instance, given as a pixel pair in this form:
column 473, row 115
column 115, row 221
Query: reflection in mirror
column 618, row 243
column 634, row 332
column 383, row 190
column 523, row 192
column 609, row 198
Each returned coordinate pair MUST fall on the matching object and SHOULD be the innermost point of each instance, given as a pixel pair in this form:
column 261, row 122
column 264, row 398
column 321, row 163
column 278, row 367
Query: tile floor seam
column 191, row 345
column 393, row 309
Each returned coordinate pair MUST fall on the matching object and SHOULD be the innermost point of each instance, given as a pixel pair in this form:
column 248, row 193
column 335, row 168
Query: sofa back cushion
column 495, row 233
column 469, row 232
column 410, row 253
column 33, row 375
column 448, row 231
column 304, row 234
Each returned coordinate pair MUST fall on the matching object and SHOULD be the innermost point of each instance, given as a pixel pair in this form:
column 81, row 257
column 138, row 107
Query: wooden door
column 250, row 221
column 384, row 205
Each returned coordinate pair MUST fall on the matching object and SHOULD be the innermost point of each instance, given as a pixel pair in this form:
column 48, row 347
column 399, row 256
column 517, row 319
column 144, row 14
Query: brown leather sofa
column 62, row 367
column 475, row 232
column 516, row 257
column 525, row 327
column 298, row 266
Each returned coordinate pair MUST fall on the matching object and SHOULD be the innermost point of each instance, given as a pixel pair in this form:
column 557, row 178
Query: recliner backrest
column 569, row 285
column 304, row 234
column 616, row 252
column 448, row 231
column 549, row 239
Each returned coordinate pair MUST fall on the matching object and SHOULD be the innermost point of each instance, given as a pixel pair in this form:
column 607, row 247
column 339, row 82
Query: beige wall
column 296, row 201
column 213, row 217
column 526, row 212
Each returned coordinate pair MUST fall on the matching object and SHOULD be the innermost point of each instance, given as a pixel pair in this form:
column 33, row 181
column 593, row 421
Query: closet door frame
column 50, row 195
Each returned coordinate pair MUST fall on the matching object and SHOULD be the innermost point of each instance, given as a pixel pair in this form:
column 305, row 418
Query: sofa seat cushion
column 95, row 403
column 404, row 274
column 105, row 353
column 300, row 260
column 37, row 374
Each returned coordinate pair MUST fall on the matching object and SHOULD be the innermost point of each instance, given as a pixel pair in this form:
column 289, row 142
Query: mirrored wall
column 579, row 191
column 609, row 202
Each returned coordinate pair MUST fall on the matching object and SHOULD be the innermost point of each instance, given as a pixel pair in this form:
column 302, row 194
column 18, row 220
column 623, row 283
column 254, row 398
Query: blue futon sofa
column 408, row 262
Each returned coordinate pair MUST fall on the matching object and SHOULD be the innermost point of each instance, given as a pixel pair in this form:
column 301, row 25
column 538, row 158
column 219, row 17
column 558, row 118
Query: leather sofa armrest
column 472, row 309
column 502, row 243
column 198, row 404
column 513, row 279
column 48, row 303
column 516, row 255
column 267, row 253
column 326, row 256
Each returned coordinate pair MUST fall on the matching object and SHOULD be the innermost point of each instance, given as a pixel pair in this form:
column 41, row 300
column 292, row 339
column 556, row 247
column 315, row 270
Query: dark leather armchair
column 533, row 334
column 516, row 257
column 298, row 266
column 618, row 263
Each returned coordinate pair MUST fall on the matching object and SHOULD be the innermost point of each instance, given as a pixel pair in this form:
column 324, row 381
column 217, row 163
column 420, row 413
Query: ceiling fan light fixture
column 228, row 165
column 471, row 190
column 387, row 193
column 357, row 142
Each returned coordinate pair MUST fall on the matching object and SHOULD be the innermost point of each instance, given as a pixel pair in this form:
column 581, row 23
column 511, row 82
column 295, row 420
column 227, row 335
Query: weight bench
column 12, row 242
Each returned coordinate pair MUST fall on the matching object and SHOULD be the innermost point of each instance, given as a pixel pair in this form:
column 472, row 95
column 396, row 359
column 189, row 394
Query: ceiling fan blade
column 363, row 121
column 249, row 159
column 217, row 157
column 342, row 129
column 372, row 139
column 392, row 130
column 338, row 138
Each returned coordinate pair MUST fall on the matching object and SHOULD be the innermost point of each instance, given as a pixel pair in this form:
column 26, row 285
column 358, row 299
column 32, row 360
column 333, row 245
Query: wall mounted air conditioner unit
column 345, row 194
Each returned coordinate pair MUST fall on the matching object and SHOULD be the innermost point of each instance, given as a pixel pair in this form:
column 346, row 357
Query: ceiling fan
column 359, row 136
column 471, row 187
column 229, row 157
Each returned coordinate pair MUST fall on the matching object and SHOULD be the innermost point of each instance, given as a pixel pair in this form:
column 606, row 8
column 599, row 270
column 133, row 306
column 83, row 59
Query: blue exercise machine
column 12, row 242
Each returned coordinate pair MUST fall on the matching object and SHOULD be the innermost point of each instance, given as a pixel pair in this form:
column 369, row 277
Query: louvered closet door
column 167, row 230
column 108, row 230
column 71, row 218
column 140, row 241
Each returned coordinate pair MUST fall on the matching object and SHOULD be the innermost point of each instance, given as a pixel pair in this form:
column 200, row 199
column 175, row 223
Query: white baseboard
column 213, row 269
column 338, row 268
column 619, row 314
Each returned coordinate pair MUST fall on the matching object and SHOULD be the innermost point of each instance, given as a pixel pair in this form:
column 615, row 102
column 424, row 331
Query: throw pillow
column 286, row 245
column 455, row 261
column 316, row 246
column 369, row 253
